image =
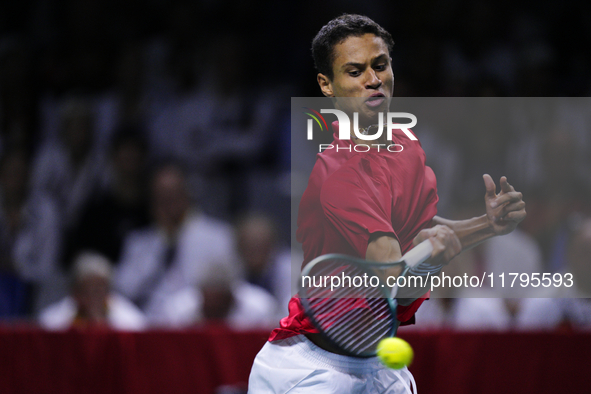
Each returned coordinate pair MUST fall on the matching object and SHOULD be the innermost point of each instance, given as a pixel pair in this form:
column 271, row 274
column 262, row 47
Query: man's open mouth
column 375, row 100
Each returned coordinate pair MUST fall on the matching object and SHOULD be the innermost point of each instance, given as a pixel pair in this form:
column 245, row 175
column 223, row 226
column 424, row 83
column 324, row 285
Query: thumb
column 490, row 186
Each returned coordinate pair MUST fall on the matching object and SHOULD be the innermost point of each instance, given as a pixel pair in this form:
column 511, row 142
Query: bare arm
column 386, row 248
column 470, row 232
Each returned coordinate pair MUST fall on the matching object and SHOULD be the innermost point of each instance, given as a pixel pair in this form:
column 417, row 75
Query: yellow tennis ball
column 395, row 353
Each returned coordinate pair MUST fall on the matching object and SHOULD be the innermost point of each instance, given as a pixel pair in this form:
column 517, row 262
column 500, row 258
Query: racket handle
column 418, row 254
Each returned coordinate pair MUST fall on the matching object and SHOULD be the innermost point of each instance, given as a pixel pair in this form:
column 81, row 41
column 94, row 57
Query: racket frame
column 414, row 257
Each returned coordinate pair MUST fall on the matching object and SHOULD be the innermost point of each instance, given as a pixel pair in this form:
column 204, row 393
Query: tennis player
column 372, row 205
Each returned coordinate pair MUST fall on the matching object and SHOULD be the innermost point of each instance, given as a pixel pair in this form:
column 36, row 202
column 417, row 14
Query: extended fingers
column 505, row 186
column 512, row 207
column 509, row 197
column 513, row 212
column 515, row 216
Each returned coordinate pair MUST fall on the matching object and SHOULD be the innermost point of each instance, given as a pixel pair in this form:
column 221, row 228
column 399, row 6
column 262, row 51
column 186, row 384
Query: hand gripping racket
column 350, row 301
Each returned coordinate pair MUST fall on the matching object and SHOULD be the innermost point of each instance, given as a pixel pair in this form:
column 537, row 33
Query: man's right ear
column 325, row 85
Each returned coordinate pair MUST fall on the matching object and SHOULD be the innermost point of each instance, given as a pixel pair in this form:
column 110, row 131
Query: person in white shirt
column 30, row 238
column 267, row 264
column 175, row 251
column 477, row 309
column 570, row 304
column 223, row 298
column 91, row 302
column 70, row 168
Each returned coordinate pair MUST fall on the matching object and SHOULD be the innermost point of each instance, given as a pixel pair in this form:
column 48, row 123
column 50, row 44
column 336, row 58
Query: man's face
column 170, row 201
column 255, row 241
column 92, row 293
column 361, row 68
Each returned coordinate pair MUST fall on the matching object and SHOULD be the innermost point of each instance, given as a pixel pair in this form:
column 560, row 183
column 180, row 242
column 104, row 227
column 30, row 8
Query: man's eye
column 380, row 67
column 354, row 73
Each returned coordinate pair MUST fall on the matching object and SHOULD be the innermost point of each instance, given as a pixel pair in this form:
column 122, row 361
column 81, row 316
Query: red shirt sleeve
column 406, row 314
column 297, row 322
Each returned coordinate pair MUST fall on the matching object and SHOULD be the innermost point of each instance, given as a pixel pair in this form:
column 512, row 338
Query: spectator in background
column 222, row 298
column 515, row 252
column 561, row 311
column 562, row 191
column 69, row 169
column 29, row 237
column 122, row 207
column 91, row 302
column 176, row 251
column 266, row 263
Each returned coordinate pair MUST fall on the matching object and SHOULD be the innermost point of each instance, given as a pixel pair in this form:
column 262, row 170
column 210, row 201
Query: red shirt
column 351, row 195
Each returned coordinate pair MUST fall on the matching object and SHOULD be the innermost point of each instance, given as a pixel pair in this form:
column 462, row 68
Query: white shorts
column 296, row 365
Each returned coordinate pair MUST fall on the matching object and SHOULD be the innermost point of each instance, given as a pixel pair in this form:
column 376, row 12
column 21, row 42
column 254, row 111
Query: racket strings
column 379, row 330
column 356, row 329
column 360, row 335
column 355, row 318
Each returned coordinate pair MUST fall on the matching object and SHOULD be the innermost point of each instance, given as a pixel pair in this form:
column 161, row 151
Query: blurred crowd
column 144, row 150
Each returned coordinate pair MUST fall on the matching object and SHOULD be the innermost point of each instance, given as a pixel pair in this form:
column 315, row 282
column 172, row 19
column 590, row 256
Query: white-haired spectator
column 91, row 302
column 222, row 298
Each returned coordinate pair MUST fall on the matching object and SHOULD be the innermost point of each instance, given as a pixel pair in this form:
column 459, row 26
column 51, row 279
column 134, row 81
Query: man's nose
column 373, row 82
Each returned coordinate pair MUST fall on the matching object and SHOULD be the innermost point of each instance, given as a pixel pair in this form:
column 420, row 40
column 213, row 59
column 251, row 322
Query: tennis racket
column 349, row 301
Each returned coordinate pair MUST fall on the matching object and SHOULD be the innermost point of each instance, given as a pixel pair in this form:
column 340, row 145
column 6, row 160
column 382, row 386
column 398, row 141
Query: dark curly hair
column 336, row 31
